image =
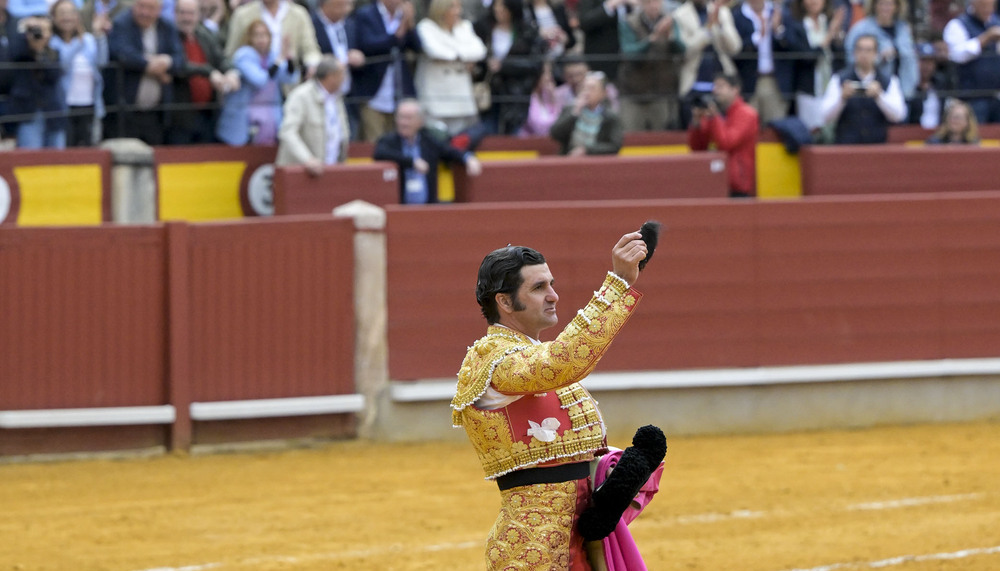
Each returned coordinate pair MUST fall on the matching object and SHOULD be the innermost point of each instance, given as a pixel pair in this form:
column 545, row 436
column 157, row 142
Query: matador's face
column 533, row 308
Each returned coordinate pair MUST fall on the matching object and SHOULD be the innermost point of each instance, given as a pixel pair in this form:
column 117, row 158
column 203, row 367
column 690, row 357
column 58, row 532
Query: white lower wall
column 741, row 400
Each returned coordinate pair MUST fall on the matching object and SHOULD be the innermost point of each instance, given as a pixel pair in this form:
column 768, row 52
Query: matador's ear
column 503, row 301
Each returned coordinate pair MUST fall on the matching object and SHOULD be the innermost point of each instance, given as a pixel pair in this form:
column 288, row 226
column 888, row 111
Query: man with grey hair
column 302, row 140
column 417, row 152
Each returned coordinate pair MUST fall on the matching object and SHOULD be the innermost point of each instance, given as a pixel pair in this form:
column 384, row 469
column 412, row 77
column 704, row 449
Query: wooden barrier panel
column 298, row 192
column 270, row 310
column 655, row 138
column 542, row 146
column 917, row 134
column 83, row 326
column 213, row 182
column 696, row 175
column 55, row 187
column 891, row 169
column 112, row 336
column 733, row 284
column 83, row 317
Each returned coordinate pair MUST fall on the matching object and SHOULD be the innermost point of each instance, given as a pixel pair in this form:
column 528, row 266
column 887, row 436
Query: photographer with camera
column 35, row 95
column 729, row 124
column 862, row 101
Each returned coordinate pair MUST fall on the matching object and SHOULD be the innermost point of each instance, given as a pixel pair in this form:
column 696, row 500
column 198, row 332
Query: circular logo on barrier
column 260, row 190
column 5, row 199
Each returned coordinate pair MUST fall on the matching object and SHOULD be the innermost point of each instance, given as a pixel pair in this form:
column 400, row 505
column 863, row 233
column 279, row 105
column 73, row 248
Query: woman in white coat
column 444, row 70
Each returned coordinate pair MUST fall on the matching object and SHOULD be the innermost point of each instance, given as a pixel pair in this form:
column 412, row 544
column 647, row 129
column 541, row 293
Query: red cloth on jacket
column 736, row 135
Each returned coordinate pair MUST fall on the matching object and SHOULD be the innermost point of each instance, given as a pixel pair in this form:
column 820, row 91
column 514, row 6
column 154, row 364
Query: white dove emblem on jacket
column 546, row 431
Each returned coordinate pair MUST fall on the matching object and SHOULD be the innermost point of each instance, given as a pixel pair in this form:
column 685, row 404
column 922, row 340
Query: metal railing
column 118, row 113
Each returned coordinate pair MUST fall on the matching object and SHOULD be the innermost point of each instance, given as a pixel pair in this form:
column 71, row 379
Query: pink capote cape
column 620, row 551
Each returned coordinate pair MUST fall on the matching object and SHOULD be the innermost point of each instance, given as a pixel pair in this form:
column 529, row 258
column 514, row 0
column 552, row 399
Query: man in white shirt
column 972, row 40
column 314, row 131
column 862, row 101
column 766, row 79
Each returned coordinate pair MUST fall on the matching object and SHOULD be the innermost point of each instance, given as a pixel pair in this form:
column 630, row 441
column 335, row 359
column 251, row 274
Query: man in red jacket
column 728, row 124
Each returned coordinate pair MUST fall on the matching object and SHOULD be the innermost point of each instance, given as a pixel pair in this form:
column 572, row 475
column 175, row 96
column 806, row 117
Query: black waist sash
column 546, row 475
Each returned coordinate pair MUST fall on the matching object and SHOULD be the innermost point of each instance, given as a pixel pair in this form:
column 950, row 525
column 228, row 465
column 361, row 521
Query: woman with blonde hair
column 444, row 71
column 252, row 114
column 959, row 125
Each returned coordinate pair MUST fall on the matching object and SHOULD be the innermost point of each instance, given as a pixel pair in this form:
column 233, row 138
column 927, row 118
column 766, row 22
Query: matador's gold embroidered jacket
column 558, row 421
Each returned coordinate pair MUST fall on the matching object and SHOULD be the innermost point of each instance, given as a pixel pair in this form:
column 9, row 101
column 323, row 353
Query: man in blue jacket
column 148, row 52
column 417, row 152
column 385, row 29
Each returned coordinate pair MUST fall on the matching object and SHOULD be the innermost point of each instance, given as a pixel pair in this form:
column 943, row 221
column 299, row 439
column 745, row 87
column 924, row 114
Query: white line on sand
column 906, row 559
column 332, row 556
column 910, row 502
column 683, row 519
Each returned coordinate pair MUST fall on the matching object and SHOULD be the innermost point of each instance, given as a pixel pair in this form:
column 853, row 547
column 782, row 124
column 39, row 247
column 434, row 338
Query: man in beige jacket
column 314, row 130
column 290, row 25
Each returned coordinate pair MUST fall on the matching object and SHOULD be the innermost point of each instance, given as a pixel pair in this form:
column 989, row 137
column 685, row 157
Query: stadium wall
column 758, row 315
column 764, row 315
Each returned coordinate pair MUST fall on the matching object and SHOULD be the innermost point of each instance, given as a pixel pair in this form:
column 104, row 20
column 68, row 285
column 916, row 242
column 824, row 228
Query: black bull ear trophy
column 650, row 231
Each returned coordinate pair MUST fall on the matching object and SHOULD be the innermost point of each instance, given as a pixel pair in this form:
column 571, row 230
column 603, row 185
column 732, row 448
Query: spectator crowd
column 311, row 75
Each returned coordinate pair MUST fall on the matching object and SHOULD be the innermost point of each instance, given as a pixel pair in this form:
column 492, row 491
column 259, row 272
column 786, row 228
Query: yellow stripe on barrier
column 778, row 172
column 359, row 160
column 990, row 143
column 654, row 150
column 446, row 184
column 54, row 195
column 200, row 191
column 486, row 156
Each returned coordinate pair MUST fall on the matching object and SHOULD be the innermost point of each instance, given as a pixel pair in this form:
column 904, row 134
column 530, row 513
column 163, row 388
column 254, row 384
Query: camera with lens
column 701, row 100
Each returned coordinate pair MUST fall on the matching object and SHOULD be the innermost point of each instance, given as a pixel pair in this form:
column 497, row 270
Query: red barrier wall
column 694, row 175
column 270, row 309
column 297, row 192
column 120, row 316
column 734, row 284
column 916, row 133
column 892, row 169
column 84, row 304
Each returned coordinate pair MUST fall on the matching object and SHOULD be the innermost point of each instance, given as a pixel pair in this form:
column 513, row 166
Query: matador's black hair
column 500, row 272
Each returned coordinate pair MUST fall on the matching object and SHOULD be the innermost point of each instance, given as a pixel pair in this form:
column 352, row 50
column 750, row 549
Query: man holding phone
column 862, row 101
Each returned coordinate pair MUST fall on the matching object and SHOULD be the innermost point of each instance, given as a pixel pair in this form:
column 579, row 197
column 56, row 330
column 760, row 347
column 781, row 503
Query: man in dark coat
column 385, row 30
column 148, row 52
column 417, row 152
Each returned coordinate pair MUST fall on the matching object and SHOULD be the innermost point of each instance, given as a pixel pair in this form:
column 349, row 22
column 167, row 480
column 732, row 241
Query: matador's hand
column 626, row 255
